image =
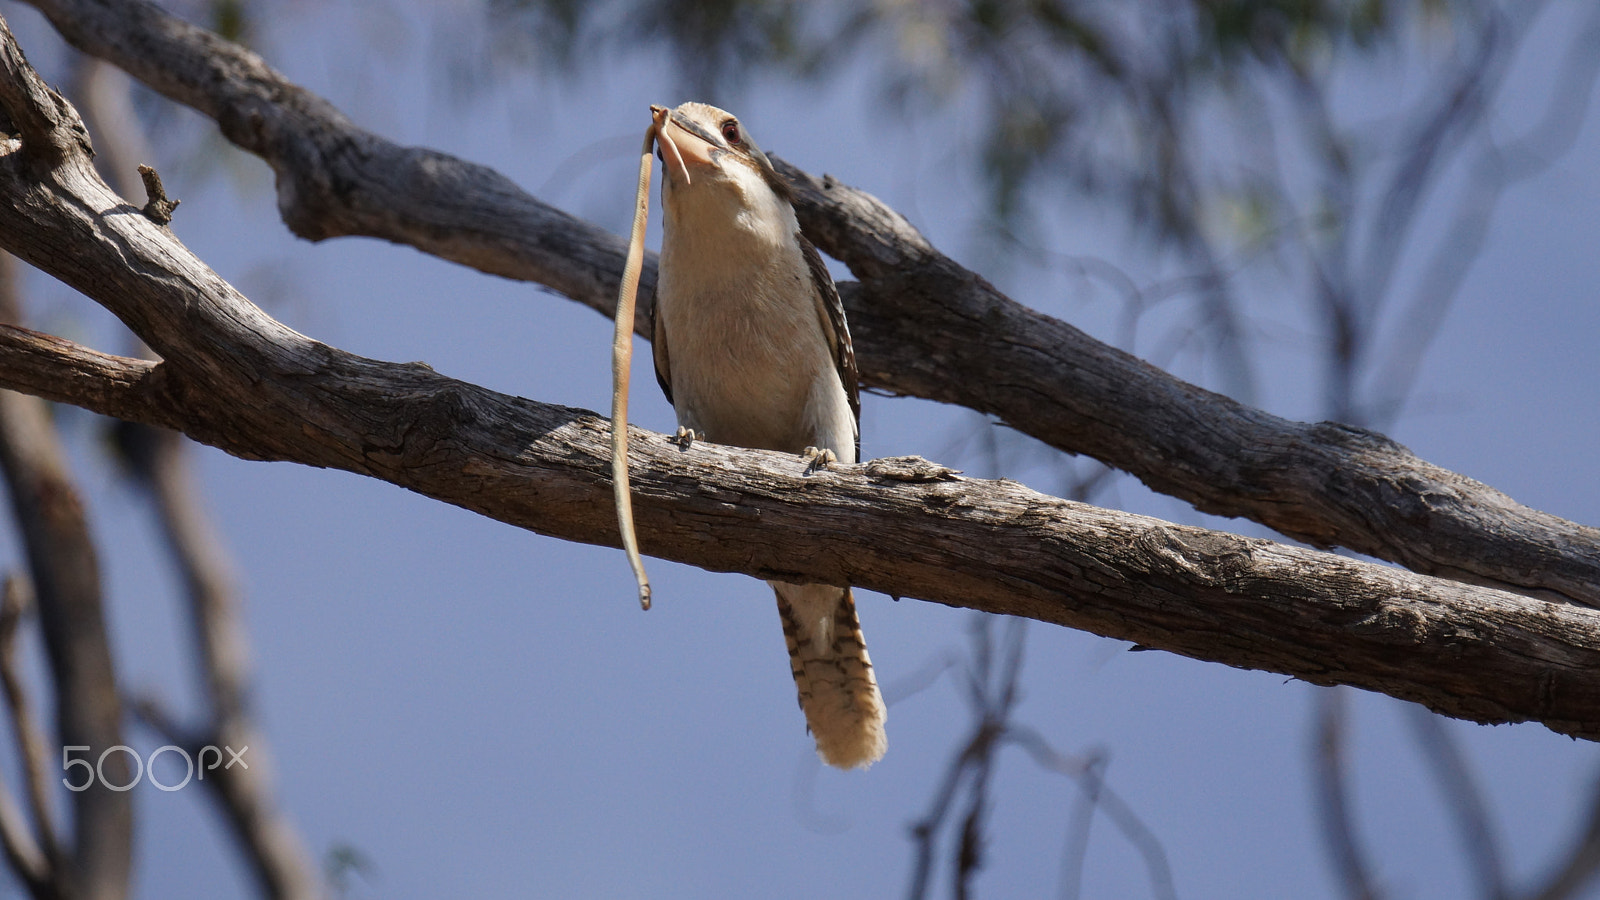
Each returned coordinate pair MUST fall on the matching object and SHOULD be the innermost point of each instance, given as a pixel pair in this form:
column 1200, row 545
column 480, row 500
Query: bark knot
column 912, row 469
column 158, row 208
column 1210, row 559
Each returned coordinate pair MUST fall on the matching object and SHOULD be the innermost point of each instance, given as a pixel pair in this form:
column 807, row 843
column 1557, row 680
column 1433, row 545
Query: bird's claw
column 686, row 437
column 818, row 458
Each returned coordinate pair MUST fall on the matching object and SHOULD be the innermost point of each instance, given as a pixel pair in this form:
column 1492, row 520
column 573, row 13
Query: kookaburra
column 752, row 350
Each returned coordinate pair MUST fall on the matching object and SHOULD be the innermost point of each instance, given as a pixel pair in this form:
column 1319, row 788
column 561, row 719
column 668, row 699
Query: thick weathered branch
column 996, row 546
column 233, row 377
column 336, row 179
column 36, row 113
column 924, row 326
column 942, row 332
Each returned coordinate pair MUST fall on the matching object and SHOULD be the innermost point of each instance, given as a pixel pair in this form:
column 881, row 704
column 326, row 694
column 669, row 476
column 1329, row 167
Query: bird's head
column 705, row 148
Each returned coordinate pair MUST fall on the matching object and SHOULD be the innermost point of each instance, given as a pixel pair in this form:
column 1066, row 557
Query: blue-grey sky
column 480, row 711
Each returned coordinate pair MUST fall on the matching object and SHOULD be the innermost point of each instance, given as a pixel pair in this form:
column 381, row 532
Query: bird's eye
column 730, row 133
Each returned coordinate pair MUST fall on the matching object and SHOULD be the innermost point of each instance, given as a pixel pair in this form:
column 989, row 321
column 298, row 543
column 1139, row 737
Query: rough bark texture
column 923, row 325
column 337, row 179
column 1474, row 653
column 937, row 330
column 233, row 377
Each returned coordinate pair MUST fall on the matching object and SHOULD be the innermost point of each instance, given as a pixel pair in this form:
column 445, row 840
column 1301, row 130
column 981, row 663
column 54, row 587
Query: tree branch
column 233, row 377
column 924, row 326
column 158, row 461
column 336, row 179
column 34, row 859
column 66, row 580
column 55, row 369
column 36, row 113
column 939, row 331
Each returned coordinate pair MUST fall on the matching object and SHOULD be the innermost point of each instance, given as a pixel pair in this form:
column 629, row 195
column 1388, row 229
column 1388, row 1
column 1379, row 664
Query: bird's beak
column 680, row 148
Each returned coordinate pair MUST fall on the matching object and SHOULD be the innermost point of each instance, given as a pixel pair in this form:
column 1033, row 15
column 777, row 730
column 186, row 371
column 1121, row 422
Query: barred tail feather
column 838, row 692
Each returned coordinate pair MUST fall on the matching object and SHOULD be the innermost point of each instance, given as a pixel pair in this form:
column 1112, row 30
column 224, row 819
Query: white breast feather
column 750, row 364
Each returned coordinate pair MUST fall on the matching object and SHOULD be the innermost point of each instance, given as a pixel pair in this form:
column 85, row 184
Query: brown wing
column 658, row 350
column 830, row 311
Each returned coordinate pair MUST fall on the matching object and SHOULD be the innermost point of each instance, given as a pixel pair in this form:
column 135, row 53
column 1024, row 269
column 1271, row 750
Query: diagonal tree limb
column 952, row 336
column 336, row 179
column 996, row 546
column 925, row 326
column 233, row 377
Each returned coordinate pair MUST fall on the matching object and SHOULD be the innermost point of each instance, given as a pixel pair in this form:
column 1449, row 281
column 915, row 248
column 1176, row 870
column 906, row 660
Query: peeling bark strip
column 237, row 379
column 923, row 325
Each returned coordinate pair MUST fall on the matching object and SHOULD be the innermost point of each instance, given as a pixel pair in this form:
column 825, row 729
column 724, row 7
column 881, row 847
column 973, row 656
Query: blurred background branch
column 65, row 575
column 158, row 462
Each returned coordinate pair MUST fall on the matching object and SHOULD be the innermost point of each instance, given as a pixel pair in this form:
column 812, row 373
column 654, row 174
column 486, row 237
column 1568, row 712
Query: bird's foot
column 686, row 437
column 818, row 459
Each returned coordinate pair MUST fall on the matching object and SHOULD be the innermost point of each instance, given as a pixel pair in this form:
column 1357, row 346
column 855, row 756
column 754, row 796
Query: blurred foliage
column 231, row 19
column 235, row 20
column 1222, row 131
column 1209, row 126
column 1098, row 92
